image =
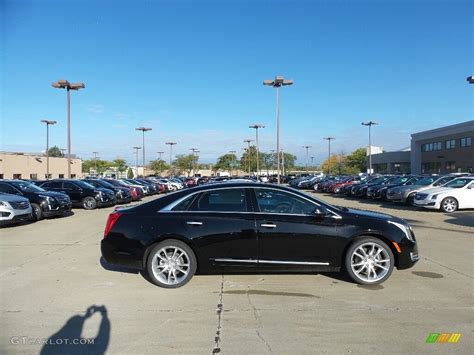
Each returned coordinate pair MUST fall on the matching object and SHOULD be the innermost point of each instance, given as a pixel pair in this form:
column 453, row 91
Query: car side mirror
column 320, row 212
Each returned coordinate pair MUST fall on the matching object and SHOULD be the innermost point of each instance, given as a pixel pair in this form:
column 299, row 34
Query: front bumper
column 409, row 255
column 12, row 219
column 106, row 201
column 426, row 203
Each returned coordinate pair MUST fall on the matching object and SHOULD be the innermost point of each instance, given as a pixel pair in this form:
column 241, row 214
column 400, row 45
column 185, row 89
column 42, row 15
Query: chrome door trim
column 277, row 262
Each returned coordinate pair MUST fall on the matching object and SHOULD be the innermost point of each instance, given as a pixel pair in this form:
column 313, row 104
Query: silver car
column 407, row 193
column 14, row 209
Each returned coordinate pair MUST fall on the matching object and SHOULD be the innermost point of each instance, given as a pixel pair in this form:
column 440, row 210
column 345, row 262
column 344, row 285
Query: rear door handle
column 268, row 225
column 194, row 223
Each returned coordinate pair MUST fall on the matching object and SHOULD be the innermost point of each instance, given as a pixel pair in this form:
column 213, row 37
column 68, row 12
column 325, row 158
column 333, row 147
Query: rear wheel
column 89, row 203
column 449, row 204
column 37, row 211
column 171, row 264
column 369, row 261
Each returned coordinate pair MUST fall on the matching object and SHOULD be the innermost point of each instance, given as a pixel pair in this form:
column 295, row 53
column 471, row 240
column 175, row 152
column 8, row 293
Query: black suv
column 122, row 194
column 44, row 203
column 81, row 193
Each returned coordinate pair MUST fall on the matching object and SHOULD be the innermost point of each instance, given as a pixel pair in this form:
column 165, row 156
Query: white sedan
column 456, row 194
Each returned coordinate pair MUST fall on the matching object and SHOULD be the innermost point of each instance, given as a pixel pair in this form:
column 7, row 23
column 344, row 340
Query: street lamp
column 312, row 164
column 47, row 122
column 194, row 150
column 248, row 152
column 160, row 153
column 256, row 127
column 171, row 144
column 273, row 160
column 64, row 84
column 470, row 79
column 278, row 82
column 307, row 148
column 233, row 160
column 370, row 124
column 329, row 139
column 136, row 160
column 95, row 160
column 143, row 129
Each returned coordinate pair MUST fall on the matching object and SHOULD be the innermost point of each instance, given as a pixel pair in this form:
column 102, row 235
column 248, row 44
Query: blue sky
column 193, row 71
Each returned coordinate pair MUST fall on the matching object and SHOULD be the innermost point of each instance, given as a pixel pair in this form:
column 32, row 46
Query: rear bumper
column 126, row 252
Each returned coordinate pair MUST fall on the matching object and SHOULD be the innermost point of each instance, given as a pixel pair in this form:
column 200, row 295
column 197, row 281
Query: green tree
column 55, row 152
column 226, row 162
column 158, row 166
column 120, row 165
column 98, row 165
column 185, row 163
column 357, row 160
column 130, row 174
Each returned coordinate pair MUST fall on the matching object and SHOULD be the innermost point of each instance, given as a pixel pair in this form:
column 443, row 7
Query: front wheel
column 89, row 203
column 37, row 211
column 171, row 264
column 449, row 204
column 369, row 261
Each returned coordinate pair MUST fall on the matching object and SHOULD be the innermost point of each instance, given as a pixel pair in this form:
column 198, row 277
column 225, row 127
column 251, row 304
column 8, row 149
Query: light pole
column 143, row 129
column 370, row 124
column 273, row 160
column 160, row 153
column 307, row 149
column 248, row 152
column 47, row 122
column 194, row 150
column 171, row 144
column 312, row 164
column 256, row 127
column 233, row 160
column 278, row 82
column 95, row 160
column 136, row 159
column 64, row 84
column 329, row 139
column 470, row 79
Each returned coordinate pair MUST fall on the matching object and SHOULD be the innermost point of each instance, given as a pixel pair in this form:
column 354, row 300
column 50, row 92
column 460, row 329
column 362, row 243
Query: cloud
column 95, row 109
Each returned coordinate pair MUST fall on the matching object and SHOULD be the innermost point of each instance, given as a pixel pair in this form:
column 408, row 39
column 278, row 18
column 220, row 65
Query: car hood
column 51, row 194
column 435, row 190
column 412, row 188
column 369, row 214
column 12, row 198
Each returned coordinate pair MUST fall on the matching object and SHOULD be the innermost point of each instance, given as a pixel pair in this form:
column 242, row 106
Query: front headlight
column 434, row 197
column 48, row 199
column 404, row 228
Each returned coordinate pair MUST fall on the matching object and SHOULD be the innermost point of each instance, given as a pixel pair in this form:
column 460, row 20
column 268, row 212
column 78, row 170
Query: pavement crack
column 447, row 267
column 219, row 309
column 259, row 330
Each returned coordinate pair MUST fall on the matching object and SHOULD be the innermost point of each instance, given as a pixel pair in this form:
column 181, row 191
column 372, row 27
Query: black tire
column 37, row 212
column 89, row 203
column 411, row 199
column 152, row 262
column 360, row 278
column 449, row 205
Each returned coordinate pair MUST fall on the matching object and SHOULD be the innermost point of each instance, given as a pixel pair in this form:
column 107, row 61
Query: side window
column 52, row 185
column 7, row 189
column 273, row 201
column 69, row 186
column 225, row 200
column 185, row 204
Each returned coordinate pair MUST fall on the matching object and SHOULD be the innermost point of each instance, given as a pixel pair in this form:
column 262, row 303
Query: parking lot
column 51, row 273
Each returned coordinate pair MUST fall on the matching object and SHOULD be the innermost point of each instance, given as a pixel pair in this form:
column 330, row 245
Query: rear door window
column 224, row 200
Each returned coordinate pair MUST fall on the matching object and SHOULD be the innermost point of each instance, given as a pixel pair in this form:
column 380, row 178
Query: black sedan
column 122, row 194
column 254, row 227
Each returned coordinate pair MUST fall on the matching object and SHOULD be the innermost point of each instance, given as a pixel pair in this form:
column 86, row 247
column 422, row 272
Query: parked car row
column 447, row 193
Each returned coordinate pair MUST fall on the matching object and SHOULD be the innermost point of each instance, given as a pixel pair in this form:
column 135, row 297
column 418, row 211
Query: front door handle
column 194, row 223
column 268, row 225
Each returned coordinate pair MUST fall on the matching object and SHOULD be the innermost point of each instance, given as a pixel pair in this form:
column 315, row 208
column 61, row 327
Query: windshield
column 458, row 183
column 425, row 181
column 399, row 180
column 27, row 186
column 84, row 185
column 105, row 184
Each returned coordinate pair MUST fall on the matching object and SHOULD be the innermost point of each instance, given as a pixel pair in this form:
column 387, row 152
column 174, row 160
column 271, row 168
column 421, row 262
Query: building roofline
column 467, row 124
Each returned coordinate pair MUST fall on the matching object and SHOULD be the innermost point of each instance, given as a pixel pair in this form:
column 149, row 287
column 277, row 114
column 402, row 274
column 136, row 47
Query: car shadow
column 69, row 340
column 465, row 218
column 116, row 268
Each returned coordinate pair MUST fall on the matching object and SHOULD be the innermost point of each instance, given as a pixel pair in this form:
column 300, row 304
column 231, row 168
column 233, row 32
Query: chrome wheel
column 171, row 265
column 449, row 204
column 370, row 262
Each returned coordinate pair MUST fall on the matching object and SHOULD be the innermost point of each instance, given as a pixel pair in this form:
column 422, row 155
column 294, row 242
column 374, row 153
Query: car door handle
column 194, row 223
column 268, row 225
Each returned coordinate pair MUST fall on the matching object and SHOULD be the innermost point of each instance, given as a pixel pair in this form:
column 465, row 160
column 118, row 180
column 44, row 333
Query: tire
column 361, row 270
column 449, row 205
column 171, row 264
column 411, row 199
column 37, row 212
column 89, row 203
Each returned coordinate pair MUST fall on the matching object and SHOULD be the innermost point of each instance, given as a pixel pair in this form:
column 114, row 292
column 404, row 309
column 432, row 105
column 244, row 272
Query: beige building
column 33, row 166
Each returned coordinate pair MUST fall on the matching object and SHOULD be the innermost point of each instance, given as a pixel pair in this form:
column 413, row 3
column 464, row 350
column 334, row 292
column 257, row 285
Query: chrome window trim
column 276, row 262
column 169, row 208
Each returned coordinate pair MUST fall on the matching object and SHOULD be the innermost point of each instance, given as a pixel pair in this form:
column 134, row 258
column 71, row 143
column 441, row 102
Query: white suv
column 14, row 209
column 456, row 194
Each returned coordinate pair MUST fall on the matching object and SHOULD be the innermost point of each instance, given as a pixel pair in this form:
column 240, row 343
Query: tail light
column 113, row 218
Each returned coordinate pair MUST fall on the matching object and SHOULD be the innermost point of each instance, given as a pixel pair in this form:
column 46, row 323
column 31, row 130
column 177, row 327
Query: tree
column 55, row 152
column 357, row 160
column 226, row 162
column 185, row 163
column 120, row 165
column 98, row 165
column 158, row 166
column 130, row 174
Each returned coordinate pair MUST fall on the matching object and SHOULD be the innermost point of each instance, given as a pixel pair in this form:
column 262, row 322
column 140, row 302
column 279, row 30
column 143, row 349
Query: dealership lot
column 51, row 272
